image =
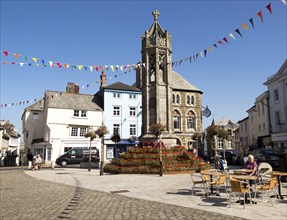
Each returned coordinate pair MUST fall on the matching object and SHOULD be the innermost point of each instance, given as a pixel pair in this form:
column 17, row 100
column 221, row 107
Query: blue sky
column 109, row 33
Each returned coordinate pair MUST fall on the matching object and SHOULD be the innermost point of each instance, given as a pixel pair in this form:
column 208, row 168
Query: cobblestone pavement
column 25, row 197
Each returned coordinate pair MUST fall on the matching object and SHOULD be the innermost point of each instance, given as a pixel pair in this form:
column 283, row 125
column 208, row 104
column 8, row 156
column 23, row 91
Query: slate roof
column 62, row 100
column 179, row 83
column 37, row 106
column 122, row 86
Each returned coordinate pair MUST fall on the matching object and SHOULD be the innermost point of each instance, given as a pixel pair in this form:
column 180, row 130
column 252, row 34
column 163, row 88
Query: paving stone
column 24, row 197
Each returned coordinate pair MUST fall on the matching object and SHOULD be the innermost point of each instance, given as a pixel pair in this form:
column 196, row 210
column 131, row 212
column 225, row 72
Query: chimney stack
column 103, row 79
column 72, row 88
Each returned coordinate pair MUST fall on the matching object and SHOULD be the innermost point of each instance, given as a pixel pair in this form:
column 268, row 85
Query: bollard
column 52, row 165
column 101, row 168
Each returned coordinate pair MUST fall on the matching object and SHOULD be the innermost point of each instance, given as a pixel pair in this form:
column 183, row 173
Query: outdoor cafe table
column 278, row 175
column 245, row 178
column 242, row 171
column 211, row 173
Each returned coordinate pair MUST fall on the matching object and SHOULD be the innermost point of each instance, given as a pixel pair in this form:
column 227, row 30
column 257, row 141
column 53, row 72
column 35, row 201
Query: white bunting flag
column 51, row 63
column 91, row 68
column 201, row 54
column 21, row 64
column 231, row 35
column 284, row 2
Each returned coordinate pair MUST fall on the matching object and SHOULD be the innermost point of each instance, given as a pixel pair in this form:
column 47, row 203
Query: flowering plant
column 91, row 134
column 102, row 131
column 157, row 129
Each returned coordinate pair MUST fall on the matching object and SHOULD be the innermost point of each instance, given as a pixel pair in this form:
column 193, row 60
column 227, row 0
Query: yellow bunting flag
column 80, row 67
column 245, row 26
column 34, row 59
column 16, row 55
column 209, row 49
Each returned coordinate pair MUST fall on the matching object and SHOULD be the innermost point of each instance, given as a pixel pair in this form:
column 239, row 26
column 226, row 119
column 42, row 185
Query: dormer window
column 80, row 113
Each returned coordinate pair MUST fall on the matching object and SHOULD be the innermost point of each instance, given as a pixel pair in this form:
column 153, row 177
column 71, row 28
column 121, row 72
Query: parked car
column 232, row 157
column 77, row 155
column 266, row 155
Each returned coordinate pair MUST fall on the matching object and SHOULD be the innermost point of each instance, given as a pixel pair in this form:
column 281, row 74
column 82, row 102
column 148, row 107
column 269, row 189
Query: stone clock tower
column 154, row 79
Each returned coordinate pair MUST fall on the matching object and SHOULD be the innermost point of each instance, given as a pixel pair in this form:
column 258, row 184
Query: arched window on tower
column 173, row 98
column 176, row 120
column 191, row 120
column 188, row 100
column 192, row 100
column 177, row 99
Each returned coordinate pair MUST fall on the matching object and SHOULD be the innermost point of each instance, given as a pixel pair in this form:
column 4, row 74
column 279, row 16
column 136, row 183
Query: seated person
column 251, row 165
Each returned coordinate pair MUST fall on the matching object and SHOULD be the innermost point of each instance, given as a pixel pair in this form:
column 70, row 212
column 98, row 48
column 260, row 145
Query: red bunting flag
column 260, row 15
column 219, row 42
column 225, row 39
column 269, row 8
column 6, row 53
column 59, row 64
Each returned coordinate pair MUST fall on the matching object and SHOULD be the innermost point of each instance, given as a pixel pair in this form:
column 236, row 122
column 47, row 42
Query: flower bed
column 146, row 161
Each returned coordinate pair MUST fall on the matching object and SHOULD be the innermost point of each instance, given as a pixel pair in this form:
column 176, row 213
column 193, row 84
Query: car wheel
column 64, row 163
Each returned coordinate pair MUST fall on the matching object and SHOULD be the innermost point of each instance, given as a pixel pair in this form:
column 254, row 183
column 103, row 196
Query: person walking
column 30, row 160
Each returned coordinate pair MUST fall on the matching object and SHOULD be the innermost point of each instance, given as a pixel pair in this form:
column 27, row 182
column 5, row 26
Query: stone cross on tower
column 155, row 13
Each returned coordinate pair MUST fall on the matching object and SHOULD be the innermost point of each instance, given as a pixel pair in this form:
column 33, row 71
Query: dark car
column 77, row 155
column 266, row 155
column 232, row 157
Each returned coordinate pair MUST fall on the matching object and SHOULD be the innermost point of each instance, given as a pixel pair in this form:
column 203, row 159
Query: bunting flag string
column 83, row 87
column 231, row 35
column 78, row 67
column 45, row 63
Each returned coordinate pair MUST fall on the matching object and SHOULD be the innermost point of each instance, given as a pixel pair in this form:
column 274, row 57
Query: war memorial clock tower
column 159, row 84
column 155, row 80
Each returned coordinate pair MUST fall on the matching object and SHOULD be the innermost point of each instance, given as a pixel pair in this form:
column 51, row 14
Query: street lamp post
column 160, row 156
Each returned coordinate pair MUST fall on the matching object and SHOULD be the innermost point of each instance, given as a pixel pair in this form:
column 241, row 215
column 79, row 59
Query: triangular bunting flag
column 43, row 62
column 107, row 68
column 34, row 59
column 180, row 62
column 59, row 64
column 225, row 39
column 21, row 64
column 219, row 42
column 284, row 2
column 269, row 8
column 80, row 67
column 121, row 67
column 190, row 58
column 25, row 58
column 244, row 26
column 260, row 15
column 112, row 68
column 30, row 64
column 205, row 53
column 91, row 68
column 215, row 45
column 4, row 62
column 51, row 63
column 16, row 55
column 201, row 54
column 196, row 56
column 231, row 35
column 6, row 53
column 238, row 31
column 251, row 21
